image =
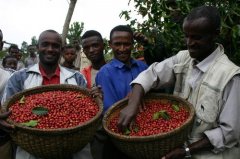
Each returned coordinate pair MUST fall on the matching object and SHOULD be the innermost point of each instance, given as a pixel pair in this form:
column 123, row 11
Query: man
column 69, row 55
column 13, row 50
column 5, row 145
column 205, row 77
column 9, row 63
column 115, row 76
column 81, row 60
column 47, row 71
column 93, row 46
column 32, row 58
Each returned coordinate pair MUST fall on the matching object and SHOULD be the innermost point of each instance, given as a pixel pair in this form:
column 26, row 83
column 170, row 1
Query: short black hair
column 91, row 33
column 125, row 28
column 69, row 46
column 5, row 59
column 209, row 12
column 13, row 46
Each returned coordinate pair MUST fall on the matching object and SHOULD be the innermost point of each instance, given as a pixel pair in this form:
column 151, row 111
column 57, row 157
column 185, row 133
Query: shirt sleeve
column 226, row 135
column 109, row 96
column 158, row 75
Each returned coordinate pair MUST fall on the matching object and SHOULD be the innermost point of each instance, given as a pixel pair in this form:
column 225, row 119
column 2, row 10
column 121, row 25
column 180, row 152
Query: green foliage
column 166, row 17
column 75, row 31
column 34, row 40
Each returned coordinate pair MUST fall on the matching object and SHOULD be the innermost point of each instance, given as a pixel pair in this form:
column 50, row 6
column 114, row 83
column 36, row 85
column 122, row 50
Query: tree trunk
column 68, row 19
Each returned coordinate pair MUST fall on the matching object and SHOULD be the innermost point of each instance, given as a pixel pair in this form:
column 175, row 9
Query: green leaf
column 22, row 100
column 31, row 123
column 156, row 116
column 136, row 129
column 127, row 131
column 175, row 107
column 39, row 110
column 164, row 115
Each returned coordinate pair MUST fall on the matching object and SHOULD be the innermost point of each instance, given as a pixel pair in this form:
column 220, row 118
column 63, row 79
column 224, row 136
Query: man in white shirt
column 5, row 145
column 205, row 77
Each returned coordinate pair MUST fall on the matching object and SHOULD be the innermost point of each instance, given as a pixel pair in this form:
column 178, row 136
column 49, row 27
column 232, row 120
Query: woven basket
column 54, row 143
column 153, row 146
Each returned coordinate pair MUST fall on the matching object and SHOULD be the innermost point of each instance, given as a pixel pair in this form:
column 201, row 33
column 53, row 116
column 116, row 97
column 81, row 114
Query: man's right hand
column 3, row 123
column 129, row 112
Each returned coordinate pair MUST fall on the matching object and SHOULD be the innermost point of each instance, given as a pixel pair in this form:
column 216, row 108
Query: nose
column 121, row 47
column 189, row 41
column 91, row 49
column 50, row 48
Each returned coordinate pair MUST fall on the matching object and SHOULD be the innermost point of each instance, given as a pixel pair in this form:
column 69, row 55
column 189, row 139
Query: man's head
column 13, row 50
column 49, row 47
column 201, row 28
column 10, row 61
column 69, row 54
column 1, row 40
column 31, row 49
column 93, row 46
column 121, row 42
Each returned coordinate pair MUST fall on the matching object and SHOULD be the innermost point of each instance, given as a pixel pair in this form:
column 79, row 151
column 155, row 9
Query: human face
column 200, row 37
column 32, row 49
column 69, row 55
column 14, row 52
column 49, row 48
column 11, row 63
column 122, row 43
column 93, row 48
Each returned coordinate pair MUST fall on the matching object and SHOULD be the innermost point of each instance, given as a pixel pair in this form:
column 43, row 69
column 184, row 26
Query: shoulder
column 140, row 63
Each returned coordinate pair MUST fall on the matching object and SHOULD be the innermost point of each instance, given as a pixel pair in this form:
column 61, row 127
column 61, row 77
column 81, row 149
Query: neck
column 68, row 64
column 98, row 65
column 49, row 69
column 32, row 55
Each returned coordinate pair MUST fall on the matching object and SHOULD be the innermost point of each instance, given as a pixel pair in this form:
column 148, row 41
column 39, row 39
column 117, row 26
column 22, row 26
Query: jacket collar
column 64, row 72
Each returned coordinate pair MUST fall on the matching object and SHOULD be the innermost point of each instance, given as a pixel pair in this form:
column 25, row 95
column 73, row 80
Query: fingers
column 123, row 122
column 96, row 91
column 6, row 126
column 139, row 37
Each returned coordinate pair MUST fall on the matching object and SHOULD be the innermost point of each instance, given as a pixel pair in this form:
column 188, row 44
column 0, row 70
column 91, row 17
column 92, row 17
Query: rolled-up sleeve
column 227, row 134
column 158, row 75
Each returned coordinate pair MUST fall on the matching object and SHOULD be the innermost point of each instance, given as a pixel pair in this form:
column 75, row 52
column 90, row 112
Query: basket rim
column 155, row 136
column 52, row 87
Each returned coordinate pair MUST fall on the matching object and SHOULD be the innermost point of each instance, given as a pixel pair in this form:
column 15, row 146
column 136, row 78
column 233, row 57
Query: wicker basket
column 54, row 143
column 154, row 146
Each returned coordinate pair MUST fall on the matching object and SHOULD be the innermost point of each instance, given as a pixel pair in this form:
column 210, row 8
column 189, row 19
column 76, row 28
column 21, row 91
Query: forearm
column 203, row 144
column 136, row 96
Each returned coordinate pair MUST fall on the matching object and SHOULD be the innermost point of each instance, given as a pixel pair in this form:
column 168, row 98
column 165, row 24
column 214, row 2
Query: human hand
column 140, row 38
column 178, row 153
column 3, row 123
column 126, row 117
column 96, row 91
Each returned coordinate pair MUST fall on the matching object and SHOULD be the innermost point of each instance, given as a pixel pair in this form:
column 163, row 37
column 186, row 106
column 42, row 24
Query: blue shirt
column 115, row 78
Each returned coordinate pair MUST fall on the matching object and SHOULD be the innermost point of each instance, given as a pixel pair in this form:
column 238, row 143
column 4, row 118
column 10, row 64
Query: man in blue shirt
column 115, row 76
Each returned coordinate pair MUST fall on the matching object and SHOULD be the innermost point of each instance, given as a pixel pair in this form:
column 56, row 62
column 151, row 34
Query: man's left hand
column 96, row 91
column 178, row 153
